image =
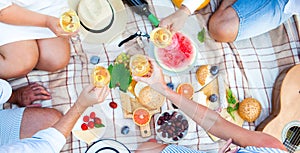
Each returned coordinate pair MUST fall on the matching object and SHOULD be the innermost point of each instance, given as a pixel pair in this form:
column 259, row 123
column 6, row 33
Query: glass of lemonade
column 161, row 37
column 100, row 76
column 69, row 20
column 139, row 65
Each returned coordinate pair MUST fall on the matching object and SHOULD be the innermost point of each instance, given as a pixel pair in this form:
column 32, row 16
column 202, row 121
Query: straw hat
column 101, row 20
column 5, row 91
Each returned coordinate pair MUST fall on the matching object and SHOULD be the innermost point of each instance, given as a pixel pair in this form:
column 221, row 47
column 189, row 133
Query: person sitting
column 208, row 119
column 28, row 118
column 53, row 138
column 31, row 37
column 236, row 20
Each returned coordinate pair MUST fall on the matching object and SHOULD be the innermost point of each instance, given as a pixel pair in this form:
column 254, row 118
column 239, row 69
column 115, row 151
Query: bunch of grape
column 123, row 58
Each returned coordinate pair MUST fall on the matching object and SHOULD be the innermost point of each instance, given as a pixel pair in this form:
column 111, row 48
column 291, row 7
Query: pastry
column 249, row 109
column 202, row 73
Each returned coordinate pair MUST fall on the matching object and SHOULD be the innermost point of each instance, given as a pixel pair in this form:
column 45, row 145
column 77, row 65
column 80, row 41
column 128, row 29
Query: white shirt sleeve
column 45, row 141
column 192, row 5
column 292, row 7
column 4, row 4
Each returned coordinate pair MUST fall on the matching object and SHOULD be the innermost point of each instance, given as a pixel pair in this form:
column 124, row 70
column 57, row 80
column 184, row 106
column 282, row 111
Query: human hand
column 156, row 78
column 92, row 95
column 24, row 96
column 53, row 24
column 226, row 147
column 175, row 21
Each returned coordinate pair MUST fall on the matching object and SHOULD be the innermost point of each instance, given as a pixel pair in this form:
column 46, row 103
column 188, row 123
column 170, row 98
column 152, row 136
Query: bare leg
column 36, row 119
column 54, row 54
column 224, row 23
column 150, row 147
column 18, row 58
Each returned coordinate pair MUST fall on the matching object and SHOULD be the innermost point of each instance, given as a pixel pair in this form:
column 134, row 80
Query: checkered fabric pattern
column 249, row 67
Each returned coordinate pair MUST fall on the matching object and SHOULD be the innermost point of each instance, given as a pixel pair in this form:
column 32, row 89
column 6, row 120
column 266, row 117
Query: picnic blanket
column 249, row 67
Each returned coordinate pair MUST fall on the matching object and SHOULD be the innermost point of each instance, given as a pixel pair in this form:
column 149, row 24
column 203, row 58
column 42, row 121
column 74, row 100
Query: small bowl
column 171, row 126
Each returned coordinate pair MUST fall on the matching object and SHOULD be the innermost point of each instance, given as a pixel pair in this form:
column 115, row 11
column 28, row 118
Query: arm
column 16, row 15
column 207, row 118
column 52, row 139
column 176, row 21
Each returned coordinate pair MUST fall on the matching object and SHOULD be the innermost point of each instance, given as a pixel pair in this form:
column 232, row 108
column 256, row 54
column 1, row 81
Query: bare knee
column 36, row 119
column 18, row 59
column 223, row 25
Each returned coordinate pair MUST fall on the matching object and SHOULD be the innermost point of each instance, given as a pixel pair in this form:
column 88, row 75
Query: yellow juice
column 139, row 65
column 161, row 37
column 100, row 76
column 69, row 21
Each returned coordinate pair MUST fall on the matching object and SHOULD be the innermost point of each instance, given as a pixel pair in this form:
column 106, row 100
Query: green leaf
column 99, row 125
column 230, row 110
column 120, row 77
column 201, row 35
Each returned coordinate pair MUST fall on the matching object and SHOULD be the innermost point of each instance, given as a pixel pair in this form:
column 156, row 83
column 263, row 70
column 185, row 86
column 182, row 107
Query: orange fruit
column 100, row 76
column 141, row 116
column 186, row 90
column 177, row 3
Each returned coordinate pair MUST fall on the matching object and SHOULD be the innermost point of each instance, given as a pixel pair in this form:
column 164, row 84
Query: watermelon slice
column 177, row 57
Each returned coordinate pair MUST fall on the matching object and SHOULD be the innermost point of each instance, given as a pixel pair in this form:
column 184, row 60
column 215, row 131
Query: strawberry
column 84, row 126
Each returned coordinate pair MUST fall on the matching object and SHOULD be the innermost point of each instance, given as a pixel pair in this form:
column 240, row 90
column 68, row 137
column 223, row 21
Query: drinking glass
column 100, row 76
column 139, row 65
column 161, row 37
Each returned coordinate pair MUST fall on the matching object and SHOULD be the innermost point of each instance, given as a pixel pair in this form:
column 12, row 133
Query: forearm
column 67, row 122
column 17, row 15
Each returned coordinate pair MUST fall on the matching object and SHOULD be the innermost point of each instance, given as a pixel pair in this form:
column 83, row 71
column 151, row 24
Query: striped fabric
column 250, row 149
column 249, row 67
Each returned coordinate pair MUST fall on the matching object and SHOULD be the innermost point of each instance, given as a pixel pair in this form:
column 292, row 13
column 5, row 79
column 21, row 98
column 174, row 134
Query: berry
column 125, row 130
column 84, row 126
column 213, row 98
column 113, row 105
column 92, row 115
column 86, row 118
column 214, row 70
column 95, row 60
column 97, row 120
column 170, row 85
column 91, row 124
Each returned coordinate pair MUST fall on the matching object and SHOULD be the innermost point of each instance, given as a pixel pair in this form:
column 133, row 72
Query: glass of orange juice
column 139, row 65
column 100, row 76
column 161, row 37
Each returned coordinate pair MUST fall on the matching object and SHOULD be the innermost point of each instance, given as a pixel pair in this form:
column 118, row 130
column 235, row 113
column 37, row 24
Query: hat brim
column 5, row 91
column 116, row 29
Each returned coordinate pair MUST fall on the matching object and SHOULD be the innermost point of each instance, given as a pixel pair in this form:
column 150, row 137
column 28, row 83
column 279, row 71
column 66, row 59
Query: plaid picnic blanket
column 249, row 67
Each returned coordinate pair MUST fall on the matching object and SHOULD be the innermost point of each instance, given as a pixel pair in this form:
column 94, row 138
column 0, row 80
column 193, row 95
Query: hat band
column 105, row 28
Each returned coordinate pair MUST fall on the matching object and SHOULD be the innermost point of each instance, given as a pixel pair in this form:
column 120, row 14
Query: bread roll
column 249, row 109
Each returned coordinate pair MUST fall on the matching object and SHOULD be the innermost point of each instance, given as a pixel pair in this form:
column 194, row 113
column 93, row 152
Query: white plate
column 90, row 135
column 107, row 146
column 138, row 87
column 151, row 53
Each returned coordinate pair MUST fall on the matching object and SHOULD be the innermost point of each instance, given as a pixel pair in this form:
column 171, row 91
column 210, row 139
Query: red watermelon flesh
column 179, row 54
